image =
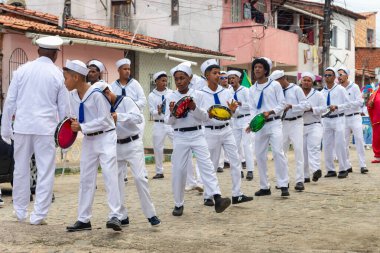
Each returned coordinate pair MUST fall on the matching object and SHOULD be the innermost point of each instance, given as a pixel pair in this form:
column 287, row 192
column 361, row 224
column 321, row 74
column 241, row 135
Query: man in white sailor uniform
column 219, row 133
column 36, row 118
column 353, row 118
column 312, row 128
column 267, row 97
column 96, row 68
column 189, row 138
column 90, row 112
column 241, row 96
column 130, row 149
column 157, row 107
column 292, row 124
column 126, row 85
column 336, row 98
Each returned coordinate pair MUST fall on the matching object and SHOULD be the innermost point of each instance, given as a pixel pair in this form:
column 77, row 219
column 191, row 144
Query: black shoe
column 242, row 174
column 241, row 199
column 263, row 192
column 31, row 197
column 79, row 226
column 219, row 169
column 349, row 170
column 158, row 176
column 243, row 165
column 331, row 174
column 307, row 180
column 221, row 204
column 154, row 221
column 177, row 211
column 125, row 222
column 317, row 175
column 299, row 187
column 363, row 170
column 278, row 188
column 226, row 165
column 53, row 198
column 249, row 176
column 125, row 179
column 284, row 192
column 342, row 174
column 114, row 223
column 208, row 202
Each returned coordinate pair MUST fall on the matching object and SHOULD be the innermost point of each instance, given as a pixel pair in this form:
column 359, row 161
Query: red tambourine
column 181, row 108
column 64, row 137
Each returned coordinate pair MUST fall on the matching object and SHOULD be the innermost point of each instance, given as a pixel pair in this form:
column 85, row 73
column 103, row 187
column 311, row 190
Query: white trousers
column 44, row 149
column 218, row 138
column 354, row 126
column 133, row 153
column 185, row 143
column 141, row 126
column 99, row 149
column 292, row 132
column 193, row 179
column 334, row 139
column 160, row 131
column 271, row 134
column 312, row 139
column 244, row 140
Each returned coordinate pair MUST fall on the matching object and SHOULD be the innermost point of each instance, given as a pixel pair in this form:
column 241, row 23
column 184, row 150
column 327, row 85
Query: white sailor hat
column 122, row 62
column 333, row 70
column 207, row 64
column 77, row 66
column 308, row 74
column 277, row 74
column 269, row 61
column 186, row 63
column 183, row 68
column 50, row 42
column 345, row 69
column 223, row 72
column 97, row 64
column 102, row 86
column 234, row 72
column 158, row 74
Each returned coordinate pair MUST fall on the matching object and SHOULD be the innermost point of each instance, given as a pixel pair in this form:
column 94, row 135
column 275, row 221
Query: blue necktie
column 216, row 99
column 328, row 97
column 262, row 96
column 123, row 92
column 81, row 112
column 235, row 96
column 163, row 106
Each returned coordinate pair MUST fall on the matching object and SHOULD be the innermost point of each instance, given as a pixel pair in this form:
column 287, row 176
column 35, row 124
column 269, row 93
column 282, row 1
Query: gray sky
column 361, row 6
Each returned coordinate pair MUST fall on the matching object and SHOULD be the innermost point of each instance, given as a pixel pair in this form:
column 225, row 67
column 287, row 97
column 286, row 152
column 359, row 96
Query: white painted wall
column 346, row 57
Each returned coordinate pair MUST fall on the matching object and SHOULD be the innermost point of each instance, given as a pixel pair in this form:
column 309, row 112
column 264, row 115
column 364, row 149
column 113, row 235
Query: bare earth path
column 332, row 215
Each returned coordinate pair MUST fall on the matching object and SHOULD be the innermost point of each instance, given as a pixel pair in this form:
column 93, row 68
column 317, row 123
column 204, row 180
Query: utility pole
column 326, row 35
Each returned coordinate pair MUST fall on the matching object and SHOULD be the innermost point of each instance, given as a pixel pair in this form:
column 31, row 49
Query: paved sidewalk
column 332, row 215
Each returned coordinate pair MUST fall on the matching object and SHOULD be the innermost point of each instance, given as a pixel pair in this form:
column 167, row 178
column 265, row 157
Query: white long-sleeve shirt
column 273, row 98
column 318, row 107
column 133, row 90
column 128, row 117
column 295, row 97
column 197, row 82
column 155, row 99
column 37, row 97
column 338, row 97
column 97, row 116
column 241, row 95
column 207, row 99
column 356, row 99
column 193, row 118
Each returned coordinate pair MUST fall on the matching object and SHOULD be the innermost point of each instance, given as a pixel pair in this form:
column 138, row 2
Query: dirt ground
column 332, row 215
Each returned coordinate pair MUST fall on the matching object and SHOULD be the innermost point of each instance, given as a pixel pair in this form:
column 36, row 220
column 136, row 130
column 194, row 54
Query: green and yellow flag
column 246, row 81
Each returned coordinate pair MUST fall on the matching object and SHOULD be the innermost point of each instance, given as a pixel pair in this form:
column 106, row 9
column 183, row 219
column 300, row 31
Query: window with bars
column 175, row 12
column 370, row 36
column 334, row 36
column 236, row 9
column 348, row 39
column 120, row 13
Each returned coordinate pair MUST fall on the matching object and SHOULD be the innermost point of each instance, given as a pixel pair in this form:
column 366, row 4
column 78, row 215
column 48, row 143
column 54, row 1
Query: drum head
column 220, row 112
column 64, row 136
column 257, row 122
column 181, row 108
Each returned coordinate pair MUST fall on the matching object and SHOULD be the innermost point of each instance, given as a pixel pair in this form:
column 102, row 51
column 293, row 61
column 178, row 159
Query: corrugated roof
column 34, row 21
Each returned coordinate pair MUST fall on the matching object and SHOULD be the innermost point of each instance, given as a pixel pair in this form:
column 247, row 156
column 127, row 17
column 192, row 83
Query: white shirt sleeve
column 141, row 99
column 132, row 113
column 152, row 106
column 9, row 108
column 281, row 102
column 302, row 105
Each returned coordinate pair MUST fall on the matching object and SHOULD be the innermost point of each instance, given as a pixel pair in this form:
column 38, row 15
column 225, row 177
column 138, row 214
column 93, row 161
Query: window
column 236, row 11
column 175, row 12
column 348, row 39
column 120, row 12
column 262, row 6
column 369, row 37
column 333, row 36
column 67, row 10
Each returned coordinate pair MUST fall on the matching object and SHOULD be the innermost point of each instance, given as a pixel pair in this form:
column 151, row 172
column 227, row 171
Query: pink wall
column 246, row 41
column 73, row 52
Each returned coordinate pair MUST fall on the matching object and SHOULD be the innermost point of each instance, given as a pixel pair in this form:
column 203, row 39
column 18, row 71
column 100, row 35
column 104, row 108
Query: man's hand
column 114, row 116
column 75, row 126
column 7, row 140
column 267, row 114
column 233, row 105
column 192, row 105
column 159, row 109
column 248, row 130
column 287, row 108
column 333, row 108
column 171, row 106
